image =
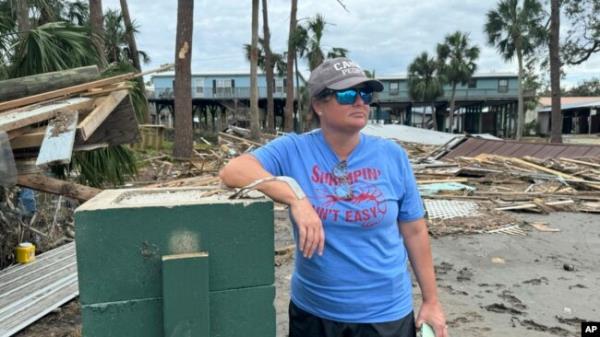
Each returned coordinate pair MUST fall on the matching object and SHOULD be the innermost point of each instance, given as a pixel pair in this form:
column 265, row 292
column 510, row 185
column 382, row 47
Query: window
column 394, row 88
column 278, row 86
column 199, row 85
column 503, row 85
column 224, row 87
column 472, row 83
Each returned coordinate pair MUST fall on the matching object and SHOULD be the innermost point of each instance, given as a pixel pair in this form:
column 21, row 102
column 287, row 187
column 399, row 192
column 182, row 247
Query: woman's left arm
column 416, row 240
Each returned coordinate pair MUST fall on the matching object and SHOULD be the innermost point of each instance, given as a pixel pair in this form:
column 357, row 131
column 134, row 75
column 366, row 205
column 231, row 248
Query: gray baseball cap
column 339, row 73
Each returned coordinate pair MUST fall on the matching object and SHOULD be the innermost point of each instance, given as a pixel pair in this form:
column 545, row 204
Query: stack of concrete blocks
column 168, row 262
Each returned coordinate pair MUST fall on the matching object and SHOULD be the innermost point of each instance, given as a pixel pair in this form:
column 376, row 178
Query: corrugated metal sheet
column 475, row 146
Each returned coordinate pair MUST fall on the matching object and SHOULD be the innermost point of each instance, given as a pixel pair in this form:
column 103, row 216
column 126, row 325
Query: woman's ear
column 316, row 106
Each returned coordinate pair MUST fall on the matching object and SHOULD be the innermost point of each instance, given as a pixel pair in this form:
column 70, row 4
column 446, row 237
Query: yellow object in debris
column 25, row 252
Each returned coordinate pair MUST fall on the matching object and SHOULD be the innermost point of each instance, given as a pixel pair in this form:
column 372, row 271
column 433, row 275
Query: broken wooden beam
column 534, row 205
column 56, row 186
column 95, row 118
column 17, row 119
column 64, row 92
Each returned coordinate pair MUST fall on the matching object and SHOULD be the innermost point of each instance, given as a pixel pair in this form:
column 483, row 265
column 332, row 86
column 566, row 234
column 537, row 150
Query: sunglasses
column 348, row 96
column 340, row 171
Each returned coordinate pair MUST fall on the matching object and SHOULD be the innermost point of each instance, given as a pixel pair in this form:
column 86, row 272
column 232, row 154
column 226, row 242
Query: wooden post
column 35, row 84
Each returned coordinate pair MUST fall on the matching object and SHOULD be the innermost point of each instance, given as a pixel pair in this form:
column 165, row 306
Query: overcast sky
column 381, row 35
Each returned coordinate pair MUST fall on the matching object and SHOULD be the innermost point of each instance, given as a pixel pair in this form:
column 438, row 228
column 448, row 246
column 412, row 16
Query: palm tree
column 556, row 132
column 254, row 113
column 457, row 64
column 184, row 144
column 288, row 119
column 337, row 52
column 314, row 54
column 51, row 47
column 23, row 23
column 97, row 28
column 270, row 125
column 424, row 84
column 115, row 39
column 516, row 30
column 134, row 55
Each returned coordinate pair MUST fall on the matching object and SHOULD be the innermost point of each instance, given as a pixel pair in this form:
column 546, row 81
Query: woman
column 354, row 201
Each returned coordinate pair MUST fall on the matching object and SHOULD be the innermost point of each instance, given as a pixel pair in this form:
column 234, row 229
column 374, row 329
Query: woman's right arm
column 245, row 169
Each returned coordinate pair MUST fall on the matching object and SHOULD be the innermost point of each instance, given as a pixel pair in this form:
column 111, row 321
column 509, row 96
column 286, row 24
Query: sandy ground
column 504, row 285
column 490, row 284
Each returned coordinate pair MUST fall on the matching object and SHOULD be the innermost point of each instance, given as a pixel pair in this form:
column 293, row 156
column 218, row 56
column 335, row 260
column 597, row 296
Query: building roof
column 476, row 75
column 566, row 103
column 475, row 146
column 411, row 134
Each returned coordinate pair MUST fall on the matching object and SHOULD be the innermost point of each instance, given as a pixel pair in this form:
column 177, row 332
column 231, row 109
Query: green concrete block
column 247, row 312
column 141, row 318
column 185, row 295
column 243, row 312
column 121, row 236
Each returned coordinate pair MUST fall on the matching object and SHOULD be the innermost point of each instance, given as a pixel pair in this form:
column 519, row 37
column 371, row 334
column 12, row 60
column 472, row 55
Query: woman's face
column 342, row 117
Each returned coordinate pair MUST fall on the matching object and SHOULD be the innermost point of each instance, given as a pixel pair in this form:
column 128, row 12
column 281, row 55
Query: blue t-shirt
column 362, row 276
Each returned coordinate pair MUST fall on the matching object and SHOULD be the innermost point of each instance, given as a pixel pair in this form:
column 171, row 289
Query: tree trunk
column 289, row 98
column 23, row 24
column 183, row 147
column 269, row 69
column 433, row 116
column 520, row 112
column 556, row 131
column 254, row 113
column 97, row 28
column 133, row 51
column 452, row 107
column 30, row 85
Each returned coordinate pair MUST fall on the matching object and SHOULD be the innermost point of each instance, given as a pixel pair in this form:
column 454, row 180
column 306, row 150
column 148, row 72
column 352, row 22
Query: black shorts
column 304, row 324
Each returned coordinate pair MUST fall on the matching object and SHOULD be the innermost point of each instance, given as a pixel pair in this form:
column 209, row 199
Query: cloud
column 383, row 35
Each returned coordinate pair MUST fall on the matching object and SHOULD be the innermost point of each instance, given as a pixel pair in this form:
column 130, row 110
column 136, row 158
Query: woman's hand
column 310, row 228
column 433, row 314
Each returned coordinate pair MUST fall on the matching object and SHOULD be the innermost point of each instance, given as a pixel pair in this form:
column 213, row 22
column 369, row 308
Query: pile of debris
column 48, row 116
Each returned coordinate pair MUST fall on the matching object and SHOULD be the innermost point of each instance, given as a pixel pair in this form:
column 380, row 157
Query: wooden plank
column 120, row 127
column 100, row 113
column 580, row 162
column 435, row 181
column 64, row 92
column 29, row 140
column 185, row 295
column 57, row 146
column 17, row 119
column 533, row 205
column 56, row 186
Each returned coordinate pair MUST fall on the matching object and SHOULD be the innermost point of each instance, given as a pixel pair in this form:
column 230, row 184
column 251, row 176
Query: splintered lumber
column 56, row 186
column 77, row 89
column 226, row 135
column 59, row 139
column 95, row 118
column 35, row 84
column 580, row 162
column 30, row 139
column 17, row 119
column 120, row 127
column 435, row 181
column 64, row 92
column 534, row 205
